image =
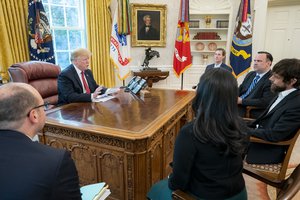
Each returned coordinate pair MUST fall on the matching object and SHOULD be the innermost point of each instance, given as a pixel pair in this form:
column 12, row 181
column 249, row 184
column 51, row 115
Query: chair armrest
column 249, row 109
column 281, row 143
column 180, row 195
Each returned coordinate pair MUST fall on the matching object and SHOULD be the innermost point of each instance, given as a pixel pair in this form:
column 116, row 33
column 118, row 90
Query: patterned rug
column 258, row 190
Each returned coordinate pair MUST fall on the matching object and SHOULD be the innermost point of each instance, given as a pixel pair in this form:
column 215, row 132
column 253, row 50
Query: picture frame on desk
column 148, row 25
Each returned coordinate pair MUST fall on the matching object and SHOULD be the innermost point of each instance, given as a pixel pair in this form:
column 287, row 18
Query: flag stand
column 181, row 82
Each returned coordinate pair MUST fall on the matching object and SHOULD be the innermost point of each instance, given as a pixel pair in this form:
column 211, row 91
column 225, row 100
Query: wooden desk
column 152, row 76
column 125, row 142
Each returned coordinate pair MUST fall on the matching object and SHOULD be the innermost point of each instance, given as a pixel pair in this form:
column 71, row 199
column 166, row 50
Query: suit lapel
column 281, row 103
column 75, row 75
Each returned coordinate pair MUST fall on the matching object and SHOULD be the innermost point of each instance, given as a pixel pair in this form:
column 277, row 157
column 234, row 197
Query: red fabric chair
column 41, row 75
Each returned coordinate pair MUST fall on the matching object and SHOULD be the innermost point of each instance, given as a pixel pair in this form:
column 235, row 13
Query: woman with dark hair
column 208, row 154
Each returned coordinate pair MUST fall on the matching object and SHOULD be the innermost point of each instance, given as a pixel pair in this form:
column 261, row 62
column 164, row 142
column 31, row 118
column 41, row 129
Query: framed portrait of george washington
column 149, row 23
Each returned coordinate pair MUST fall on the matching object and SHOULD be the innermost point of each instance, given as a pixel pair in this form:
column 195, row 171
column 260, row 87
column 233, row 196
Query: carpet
column 258, row 190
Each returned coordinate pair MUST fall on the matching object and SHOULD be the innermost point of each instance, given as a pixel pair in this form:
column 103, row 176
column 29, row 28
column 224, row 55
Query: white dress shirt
column 281, row 96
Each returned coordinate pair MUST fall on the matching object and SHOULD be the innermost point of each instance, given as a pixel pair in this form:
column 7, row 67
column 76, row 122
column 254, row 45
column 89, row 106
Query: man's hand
column 98, row 91
column 239, row 100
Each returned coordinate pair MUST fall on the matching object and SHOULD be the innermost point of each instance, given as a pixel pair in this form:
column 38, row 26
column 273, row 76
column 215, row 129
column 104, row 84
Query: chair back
column 41, row 75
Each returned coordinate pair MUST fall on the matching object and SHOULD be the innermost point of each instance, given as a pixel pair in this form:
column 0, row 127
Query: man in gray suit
column 255, row 89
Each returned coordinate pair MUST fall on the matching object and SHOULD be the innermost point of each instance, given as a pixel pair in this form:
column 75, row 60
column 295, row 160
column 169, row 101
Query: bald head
column 16, row 101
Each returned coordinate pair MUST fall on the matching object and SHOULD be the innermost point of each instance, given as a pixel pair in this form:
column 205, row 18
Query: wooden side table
column 152, row 76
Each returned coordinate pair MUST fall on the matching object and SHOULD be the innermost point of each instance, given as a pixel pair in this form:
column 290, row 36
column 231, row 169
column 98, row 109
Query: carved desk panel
column 126, row 142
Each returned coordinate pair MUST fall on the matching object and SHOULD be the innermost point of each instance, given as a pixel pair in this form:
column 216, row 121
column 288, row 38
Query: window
column 67, row 22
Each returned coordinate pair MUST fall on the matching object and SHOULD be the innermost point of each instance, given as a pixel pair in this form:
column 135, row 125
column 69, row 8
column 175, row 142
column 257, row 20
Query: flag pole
column 181, row 81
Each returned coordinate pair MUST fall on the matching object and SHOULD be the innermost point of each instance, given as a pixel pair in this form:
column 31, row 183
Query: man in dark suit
column 257, row 94
column 76, row 83
column 147, row 31
column 281, row 120
column 30, row 170
column 219, row 56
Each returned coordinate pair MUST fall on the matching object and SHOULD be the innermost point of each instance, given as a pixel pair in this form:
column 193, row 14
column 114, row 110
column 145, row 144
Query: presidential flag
column 120, row 41
column 182, row 54
column 241, row 48
column 40, row 39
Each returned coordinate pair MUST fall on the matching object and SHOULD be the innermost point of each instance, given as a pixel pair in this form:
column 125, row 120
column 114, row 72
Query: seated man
column 281, row 120
column 76, row 83
column 30, row 170
column 219, row 56
column 255, row 89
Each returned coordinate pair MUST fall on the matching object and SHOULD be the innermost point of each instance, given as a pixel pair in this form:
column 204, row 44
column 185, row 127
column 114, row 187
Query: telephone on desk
column 136, row 84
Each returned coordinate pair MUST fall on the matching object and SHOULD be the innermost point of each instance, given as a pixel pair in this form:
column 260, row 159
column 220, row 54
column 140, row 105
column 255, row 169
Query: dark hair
column 215, row 106
column 15, row 105
column 289, row 69
column 268, row 55
column 223, row 51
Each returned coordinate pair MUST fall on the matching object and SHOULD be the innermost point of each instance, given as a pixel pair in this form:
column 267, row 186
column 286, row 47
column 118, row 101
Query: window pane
column 72, row 16
column 75, row 39
column 72, row 2
column 45, row 1
column 63, row 59
column 57, row 16
column 61, row 39
column 58, row 1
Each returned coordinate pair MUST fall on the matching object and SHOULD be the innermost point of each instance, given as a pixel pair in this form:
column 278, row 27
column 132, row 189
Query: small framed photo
column 149, row 23
column 222, row 23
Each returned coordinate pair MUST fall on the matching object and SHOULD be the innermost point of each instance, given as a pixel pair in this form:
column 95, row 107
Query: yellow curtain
column 98, row 37
column 13, row 33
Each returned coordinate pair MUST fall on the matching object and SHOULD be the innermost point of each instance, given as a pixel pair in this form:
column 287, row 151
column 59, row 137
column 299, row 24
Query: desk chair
column 41, row 75
column 275, row 173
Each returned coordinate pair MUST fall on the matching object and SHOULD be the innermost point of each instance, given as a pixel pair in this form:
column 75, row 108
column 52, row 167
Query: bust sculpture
column 149, row 55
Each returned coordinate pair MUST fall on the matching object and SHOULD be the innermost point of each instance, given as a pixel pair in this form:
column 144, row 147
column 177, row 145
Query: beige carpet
column 260, row 191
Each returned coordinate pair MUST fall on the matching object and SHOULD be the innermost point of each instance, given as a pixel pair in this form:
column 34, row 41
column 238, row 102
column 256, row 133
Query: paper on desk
column 103, row 98
column 94, row 191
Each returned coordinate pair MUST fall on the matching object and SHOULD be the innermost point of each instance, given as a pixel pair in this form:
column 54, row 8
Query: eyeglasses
column 45, row 105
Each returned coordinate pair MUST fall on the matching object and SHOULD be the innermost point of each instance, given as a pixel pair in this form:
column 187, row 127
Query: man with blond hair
column 76, row 83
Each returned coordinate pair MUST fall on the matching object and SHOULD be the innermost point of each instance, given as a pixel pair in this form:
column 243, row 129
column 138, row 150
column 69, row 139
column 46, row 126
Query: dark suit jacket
column 280, row 124
column 223, row 66
column 260, row 96
column 152, row 34
column 30, row 170
column 70, row 88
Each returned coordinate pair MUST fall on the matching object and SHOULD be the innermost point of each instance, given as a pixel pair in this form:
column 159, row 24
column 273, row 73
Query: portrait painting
column 148, row 25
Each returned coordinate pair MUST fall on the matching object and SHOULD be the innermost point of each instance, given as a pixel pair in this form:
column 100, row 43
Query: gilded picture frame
column 149, row 23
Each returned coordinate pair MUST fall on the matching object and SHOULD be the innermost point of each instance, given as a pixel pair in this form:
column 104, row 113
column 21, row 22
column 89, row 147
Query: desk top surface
column 126, row 115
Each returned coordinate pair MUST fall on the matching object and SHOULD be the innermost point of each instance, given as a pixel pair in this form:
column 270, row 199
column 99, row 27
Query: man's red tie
column 86, row 87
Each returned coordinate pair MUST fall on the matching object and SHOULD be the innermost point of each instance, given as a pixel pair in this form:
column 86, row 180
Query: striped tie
column 250, row 87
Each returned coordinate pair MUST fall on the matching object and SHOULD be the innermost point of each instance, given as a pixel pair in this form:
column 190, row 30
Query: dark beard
column 277, row 89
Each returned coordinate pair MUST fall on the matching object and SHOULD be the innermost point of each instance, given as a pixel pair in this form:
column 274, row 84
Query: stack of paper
column 98, row 191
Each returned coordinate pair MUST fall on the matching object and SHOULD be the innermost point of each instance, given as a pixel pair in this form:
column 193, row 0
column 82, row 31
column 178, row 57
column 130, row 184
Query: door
column 283, row 32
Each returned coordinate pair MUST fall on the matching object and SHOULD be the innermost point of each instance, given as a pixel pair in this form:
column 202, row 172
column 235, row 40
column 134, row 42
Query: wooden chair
column 250, row 109
column 267, row 172
column 180, row 195
column 288, row 188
